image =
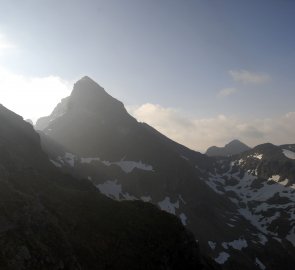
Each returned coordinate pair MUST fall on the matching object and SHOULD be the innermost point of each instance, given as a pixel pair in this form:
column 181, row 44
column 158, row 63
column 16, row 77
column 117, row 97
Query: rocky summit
column 232, row 148
column 239, row 205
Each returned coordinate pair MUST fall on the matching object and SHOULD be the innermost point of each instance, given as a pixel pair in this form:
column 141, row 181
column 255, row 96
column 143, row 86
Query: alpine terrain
column 239, row 204
column 51, row 220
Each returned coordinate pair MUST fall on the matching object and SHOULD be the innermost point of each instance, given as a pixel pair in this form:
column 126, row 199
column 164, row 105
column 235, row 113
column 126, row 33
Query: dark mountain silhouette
column 51, row 220
column 232, row 148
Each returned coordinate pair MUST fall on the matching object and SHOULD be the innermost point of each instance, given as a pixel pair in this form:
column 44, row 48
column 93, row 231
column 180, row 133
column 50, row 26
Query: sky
column 203, row 72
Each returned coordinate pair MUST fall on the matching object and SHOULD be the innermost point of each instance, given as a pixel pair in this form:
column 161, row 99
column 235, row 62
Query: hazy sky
column 201, row 71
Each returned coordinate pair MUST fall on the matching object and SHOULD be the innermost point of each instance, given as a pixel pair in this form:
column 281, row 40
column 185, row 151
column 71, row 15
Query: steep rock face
column 232, row 148
column 50, row 220
column 127, row 160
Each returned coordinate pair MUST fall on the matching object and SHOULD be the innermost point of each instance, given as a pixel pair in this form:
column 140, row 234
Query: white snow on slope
column 70, row 159
column 262, row 239
column 222, row 257
column 275, row 178
column 114, row 191
column 168, row 206
column 111, row 189
column 212, row 245
column 126, row 165
column 56, row 164
column 236, row 244
column 258, row 156
column 129, row 166
column 253, row 197
column 289, row 154
column 260, row 264
column 183, row 218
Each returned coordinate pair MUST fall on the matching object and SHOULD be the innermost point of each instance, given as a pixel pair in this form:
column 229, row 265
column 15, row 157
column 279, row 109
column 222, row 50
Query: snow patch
column 258, row 156
column 260, row 264
column 183, row 218
column 289, row 154
column 126, row 165
column 111, row 189
column 168, row 206
column 129, row 166
column 222, row 257
column 275, row 178
column 146, row 198
column 70, row 159
column 56, row 164
column 236, row 244
column 262, row 239
column 212, row 245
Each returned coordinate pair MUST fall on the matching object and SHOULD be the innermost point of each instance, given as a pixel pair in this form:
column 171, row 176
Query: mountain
column 95, row 138
column 232, row 148
column 261, row 182
column 51, row 220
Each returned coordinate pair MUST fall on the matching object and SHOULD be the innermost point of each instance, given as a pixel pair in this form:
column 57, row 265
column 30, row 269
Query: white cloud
column 227, row 92
column 5, row 44
column 31, row 97
column 247, row 77
column 200, row 133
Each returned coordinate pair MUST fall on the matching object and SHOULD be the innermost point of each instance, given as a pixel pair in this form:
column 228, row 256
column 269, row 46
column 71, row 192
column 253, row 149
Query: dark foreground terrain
column 50, row 220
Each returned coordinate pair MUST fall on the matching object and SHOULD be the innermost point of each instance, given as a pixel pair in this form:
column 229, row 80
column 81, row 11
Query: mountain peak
column 232, row 148
column 87, row 99
column 86, row 83
column 235, row 142
column 90, row 95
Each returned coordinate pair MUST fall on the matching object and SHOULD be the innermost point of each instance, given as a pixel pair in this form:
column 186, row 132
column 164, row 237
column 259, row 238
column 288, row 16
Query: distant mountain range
column 232, row 148
column 238, row 202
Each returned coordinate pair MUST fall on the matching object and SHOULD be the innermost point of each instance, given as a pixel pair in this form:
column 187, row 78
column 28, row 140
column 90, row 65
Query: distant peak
column 86, row 80
column 232, row 148
column 235, row 141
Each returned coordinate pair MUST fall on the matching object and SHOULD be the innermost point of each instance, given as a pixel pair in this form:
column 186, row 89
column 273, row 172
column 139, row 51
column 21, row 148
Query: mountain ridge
column 50, row 220
column 127, row 160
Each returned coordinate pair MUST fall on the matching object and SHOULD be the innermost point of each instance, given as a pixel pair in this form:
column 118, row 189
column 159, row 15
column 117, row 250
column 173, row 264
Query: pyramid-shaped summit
column 89, row 121
column 86, row 92
column 87, row 99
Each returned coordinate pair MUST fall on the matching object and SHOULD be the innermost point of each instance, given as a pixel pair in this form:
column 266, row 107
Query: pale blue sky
column 178, row 54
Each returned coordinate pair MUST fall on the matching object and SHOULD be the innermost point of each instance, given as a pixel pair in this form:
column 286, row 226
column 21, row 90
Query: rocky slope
column 96, row 138
column 50, row 220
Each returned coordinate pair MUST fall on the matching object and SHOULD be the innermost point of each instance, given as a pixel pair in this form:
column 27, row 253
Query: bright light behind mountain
column 31, row 97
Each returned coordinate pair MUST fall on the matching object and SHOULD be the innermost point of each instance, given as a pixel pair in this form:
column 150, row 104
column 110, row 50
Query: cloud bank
column 247, row 77
column 200, row 133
